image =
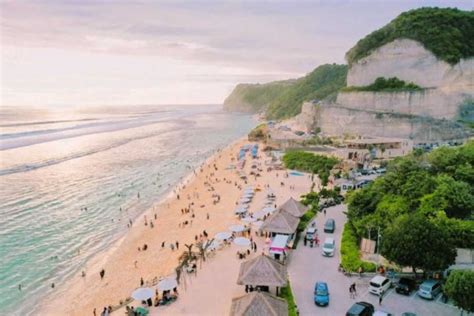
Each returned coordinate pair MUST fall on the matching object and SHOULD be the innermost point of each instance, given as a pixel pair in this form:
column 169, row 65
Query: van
column 379, row 285
column 329, row 226
column 429, row 289
column 329, row 246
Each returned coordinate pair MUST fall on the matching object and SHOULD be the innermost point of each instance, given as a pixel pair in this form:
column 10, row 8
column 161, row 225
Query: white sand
column 80, row 295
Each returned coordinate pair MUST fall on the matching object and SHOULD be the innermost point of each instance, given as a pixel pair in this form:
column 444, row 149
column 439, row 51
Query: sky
column 82, row 52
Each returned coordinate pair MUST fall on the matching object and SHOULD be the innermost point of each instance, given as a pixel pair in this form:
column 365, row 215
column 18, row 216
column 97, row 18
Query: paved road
column 307, row 266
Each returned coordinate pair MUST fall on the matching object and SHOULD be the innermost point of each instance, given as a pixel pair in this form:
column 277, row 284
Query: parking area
column 307, row 266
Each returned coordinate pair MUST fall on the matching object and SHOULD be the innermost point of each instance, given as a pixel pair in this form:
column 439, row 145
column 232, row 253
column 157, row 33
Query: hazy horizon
column 88, row 53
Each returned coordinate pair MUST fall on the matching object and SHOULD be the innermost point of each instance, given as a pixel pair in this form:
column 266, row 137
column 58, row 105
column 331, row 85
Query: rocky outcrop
column 430, row 102
column 408, row 60
column 424, row 116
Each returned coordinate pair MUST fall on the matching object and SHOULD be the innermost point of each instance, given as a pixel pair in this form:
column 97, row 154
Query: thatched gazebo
column 263, row 271
column 257, row 304
column 280, row 222
column 293, row 207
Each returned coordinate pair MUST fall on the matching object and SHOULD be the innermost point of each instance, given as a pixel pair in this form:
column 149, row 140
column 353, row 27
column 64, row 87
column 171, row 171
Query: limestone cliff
column 427, row 115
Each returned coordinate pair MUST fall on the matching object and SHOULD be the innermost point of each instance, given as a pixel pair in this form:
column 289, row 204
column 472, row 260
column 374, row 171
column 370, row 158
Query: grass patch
column 386, row 85
column 350, row 253
column 285, row 293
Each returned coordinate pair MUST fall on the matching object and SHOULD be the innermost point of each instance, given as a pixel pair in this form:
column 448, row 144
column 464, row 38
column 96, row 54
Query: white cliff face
column 431, row 102
column 427, row 115
column 408, row 60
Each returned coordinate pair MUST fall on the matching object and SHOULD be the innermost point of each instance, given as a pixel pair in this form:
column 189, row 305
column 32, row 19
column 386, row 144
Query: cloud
column 224, row 42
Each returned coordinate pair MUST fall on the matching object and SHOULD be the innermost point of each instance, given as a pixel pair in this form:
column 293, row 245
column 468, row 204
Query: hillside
column 254, row 98
column 283, row 99
column 447, row 33
column 321, row 83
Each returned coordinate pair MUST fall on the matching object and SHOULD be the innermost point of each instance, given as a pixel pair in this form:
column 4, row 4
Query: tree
column 459, row 287
column 458, row 196
column 414, row 241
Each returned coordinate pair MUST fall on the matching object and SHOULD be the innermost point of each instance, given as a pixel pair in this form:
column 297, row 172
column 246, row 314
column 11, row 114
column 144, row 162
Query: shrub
column 350, row 253
column 285, row 293
column 386, row 85
column 308, row 162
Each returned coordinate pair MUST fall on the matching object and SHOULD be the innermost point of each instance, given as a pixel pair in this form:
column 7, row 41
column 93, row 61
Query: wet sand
column 125, row 265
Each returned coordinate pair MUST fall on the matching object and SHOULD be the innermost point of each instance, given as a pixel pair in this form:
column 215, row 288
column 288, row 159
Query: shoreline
column 48, row 305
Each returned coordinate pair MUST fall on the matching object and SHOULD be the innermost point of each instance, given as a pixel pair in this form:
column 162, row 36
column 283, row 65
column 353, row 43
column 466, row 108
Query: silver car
column 429, row 289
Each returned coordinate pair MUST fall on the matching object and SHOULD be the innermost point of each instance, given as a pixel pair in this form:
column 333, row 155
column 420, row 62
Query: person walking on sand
column 177, row 245
column 102, row 274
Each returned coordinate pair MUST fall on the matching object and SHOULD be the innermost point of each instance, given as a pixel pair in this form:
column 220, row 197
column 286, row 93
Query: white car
column 328, row 247
column 379, row 285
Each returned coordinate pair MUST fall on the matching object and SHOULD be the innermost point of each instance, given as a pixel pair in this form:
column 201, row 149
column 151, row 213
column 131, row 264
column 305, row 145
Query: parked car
column 321, row 294
column 329, row 246
column 429, row 289
column 379, row 285
column 310, row 233
column 405, row 286
column 361, row 309
column 330, row 225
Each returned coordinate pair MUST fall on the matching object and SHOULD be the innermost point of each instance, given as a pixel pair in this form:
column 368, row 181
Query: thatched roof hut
column 257, row 304
column 294, row 207
column 262, row 270
column 281, row 222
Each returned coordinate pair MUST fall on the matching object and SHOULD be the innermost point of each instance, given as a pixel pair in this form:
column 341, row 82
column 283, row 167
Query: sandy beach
column 125, row 264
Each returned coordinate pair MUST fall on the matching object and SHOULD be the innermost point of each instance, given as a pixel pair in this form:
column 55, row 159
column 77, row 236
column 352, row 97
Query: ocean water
column 71, row 180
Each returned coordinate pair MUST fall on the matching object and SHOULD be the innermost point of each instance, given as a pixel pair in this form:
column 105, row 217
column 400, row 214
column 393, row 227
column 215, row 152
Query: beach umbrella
column 240, row 210
column 237, row 228
column 223, row 235
column 167, row 284
column 215, row 244
column 248, row 219
column 143, row 293
column 269, row 209
column 257, row 224
column 244, row 200
column 259, row 214
column 242, row 241
column 248, row 194
column 249, row 191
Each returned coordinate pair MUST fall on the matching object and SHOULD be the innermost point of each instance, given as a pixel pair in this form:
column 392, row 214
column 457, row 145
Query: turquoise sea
column 70, row 180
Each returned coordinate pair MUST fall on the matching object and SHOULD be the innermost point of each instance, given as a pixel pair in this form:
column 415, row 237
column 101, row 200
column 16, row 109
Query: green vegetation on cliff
column 283, row 99
column 385, row 85
column 321, row 83
column 448, row 33
column 254, row 98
